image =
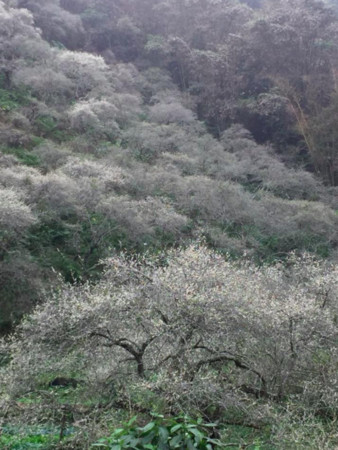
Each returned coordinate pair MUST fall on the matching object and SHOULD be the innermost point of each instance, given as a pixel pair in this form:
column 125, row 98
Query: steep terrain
column 197, row 134
column 99, row 154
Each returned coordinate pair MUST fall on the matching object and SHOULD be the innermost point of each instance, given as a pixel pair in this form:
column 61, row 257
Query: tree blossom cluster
column 270, row 332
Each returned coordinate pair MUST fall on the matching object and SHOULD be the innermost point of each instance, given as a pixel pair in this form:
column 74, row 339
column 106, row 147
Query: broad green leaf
column 162, row 446
column 190, row 445
column 164, row 434
column 131, row 421
column 130, row 440
column 198, row 434
column 176, row 441
column 118, row 431
column 148, row 427
column 214, row 441
column 148, row 438
column 158, row 416
column 176, row 427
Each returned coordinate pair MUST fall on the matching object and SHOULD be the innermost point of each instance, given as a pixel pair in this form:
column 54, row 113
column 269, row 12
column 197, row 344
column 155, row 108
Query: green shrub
column 24, row 156
column 12, row 99
column 29, row 438
column 46, row 124
column 53, row 244
column 270, row 248
column 7, row 102
column 161, row 434
column 48, row 127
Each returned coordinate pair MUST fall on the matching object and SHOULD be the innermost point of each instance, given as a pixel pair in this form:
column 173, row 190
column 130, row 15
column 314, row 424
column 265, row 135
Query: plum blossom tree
column 17, row 27
column 190, row 319
column 85, row 70
column 15, row 215
column 58, row 25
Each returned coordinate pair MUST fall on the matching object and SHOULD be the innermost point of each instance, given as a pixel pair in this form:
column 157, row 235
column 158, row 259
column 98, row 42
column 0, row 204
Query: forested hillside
column 169, row 223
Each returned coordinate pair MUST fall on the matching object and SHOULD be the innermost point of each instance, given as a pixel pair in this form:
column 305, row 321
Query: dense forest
column 168, row 224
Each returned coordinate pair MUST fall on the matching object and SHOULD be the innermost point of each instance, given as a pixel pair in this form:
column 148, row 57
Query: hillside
column 169, row 186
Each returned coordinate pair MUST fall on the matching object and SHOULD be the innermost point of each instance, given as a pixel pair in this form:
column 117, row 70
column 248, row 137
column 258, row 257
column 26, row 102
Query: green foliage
column 181, row 433
column 51, row 245
column 25, row 156
column 244, row 436
column 36, row 140
column 7, row 101
column 47, row 126
column 277, row 247
column 13, row 99
column 70, row 247
column 29, row 438
column 270, row 248
column 2, row 80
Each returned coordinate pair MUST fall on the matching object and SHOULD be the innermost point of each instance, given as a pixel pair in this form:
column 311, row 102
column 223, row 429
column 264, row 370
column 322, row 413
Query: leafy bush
column 7, row 102
column 24, row 156
column 47, row 126
column 161, row 434
column 12, row 99
column 25, row 438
